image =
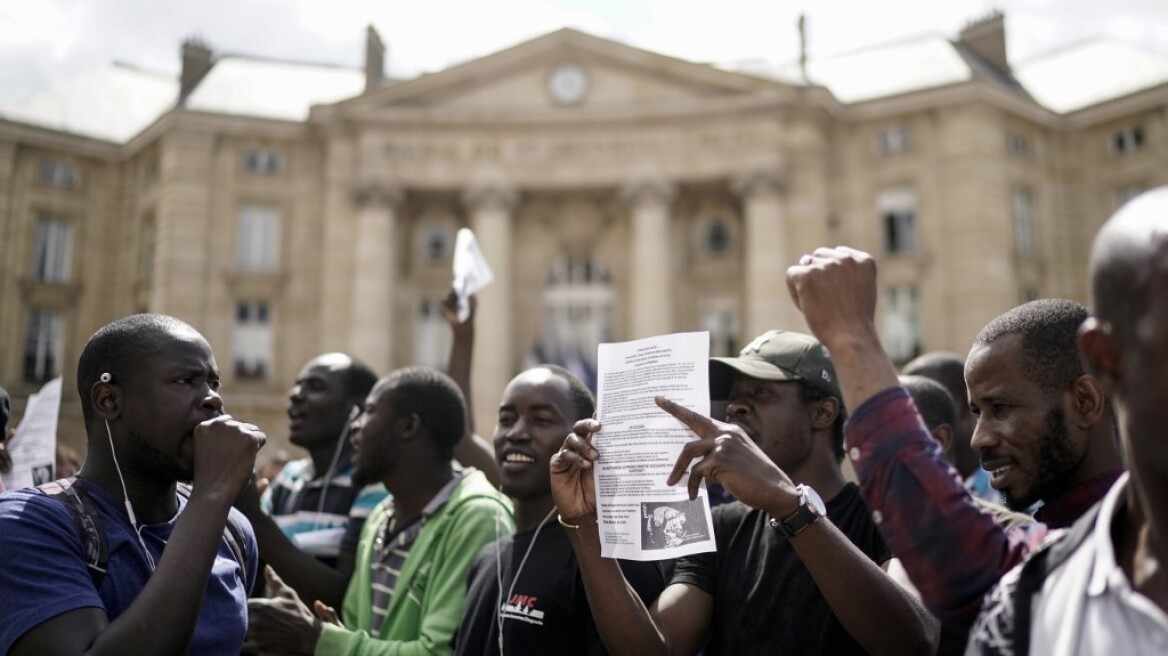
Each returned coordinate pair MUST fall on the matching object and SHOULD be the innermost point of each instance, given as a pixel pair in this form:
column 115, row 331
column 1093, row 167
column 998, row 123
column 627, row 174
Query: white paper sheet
column 640, row 517
column 34, row 446
column 471, row 271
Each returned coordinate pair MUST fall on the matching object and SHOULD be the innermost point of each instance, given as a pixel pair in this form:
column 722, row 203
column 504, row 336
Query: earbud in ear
column 105, row 377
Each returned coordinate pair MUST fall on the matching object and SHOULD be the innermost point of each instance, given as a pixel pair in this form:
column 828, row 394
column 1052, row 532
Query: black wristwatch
column 810, row 509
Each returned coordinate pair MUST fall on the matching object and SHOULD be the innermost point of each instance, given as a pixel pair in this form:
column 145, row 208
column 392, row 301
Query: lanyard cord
column 514, row 579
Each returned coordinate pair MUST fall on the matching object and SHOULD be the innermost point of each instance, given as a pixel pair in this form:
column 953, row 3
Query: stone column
column 765, row 245
column 374, row 271
column 494, row 360
column 651, row 284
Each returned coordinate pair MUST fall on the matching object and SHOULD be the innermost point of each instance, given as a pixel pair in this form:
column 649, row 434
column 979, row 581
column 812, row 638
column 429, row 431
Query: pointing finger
column 700, row 424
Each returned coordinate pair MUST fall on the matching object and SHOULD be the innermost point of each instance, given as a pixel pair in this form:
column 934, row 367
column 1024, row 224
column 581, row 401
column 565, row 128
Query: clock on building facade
column 568, row 83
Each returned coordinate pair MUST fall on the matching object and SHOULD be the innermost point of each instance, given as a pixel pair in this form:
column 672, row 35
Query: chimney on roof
column 987, row 37
column 196, row 61
column 374, row 59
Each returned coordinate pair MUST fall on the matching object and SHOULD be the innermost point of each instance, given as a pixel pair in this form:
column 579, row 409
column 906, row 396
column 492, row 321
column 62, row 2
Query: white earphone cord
column 126, row 495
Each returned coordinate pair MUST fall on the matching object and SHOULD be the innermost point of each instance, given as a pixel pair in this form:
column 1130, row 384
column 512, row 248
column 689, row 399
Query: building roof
column 902, row 66
column 117, row 102
column 113, row 103
column 272, row 89
column 1090, row 72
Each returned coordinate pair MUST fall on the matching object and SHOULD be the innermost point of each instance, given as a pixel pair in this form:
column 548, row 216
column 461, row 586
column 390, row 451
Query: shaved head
column 1128, row 252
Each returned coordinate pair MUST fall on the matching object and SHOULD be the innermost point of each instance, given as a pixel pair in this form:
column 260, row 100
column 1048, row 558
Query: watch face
column 568, row 83
column 813, row 498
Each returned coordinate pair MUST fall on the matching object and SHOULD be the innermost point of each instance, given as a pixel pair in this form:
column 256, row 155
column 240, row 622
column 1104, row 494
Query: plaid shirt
column 953, row 551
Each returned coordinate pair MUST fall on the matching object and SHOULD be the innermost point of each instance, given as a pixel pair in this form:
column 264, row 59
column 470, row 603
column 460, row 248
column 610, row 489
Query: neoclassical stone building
column 286, row 209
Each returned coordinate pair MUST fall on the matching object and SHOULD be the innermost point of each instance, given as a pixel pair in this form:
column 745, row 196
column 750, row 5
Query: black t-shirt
column 547, row 612
column 765, row 601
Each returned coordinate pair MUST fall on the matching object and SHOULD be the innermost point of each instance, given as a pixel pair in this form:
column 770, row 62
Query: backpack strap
column 94, row 545
column 1036, row 568
column 233, row 534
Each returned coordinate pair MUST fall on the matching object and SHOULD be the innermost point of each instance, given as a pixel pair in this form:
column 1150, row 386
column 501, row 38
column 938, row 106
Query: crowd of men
column 1014, row 501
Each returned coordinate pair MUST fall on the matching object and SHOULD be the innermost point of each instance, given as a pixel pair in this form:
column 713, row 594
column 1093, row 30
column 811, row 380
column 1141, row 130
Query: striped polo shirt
column 322, row 518
column 392, row 546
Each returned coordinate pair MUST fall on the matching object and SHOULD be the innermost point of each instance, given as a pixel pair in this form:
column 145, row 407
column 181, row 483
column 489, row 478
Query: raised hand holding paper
column 471, row 271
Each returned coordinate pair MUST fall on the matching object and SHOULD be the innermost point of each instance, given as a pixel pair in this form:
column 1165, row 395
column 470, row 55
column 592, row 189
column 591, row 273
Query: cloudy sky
column 46, row 40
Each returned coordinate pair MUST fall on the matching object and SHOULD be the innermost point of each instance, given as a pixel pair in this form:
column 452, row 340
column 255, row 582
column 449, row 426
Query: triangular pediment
column 566, row 69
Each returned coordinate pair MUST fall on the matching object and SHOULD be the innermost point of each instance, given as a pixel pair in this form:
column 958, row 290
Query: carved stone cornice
column 490, row 198
column 648, row 192
column 765, row 182
column 378, row 195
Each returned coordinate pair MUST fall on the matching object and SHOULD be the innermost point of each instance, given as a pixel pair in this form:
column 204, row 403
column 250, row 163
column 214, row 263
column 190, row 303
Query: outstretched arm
column 471, row 450
column 952, row 551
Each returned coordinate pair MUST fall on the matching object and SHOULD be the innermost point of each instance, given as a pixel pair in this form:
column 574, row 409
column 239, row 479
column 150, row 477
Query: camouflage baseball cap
column 777, row 355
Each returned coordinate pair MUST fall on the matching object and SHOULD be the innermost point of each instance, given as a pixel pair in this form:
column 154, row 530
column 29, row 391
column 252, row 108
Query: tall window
column 432, row 336
column 42, row 346
column 263, row 161
column 577, row 316
column 902, row 323
column 251, row 346
column 53, row 249
column 898, row 218
column 1025, row 242
column 258, row 239
column 59, row 174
